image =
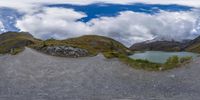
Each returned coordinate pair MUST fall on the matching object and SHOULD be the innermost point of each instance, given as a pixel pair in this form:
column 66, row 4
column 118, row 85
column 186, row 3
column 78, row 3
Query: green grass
column 194, row 48
column 172, row 62
column 135, row 63
column 15, row 42
column 92, row 43
column 185, row 59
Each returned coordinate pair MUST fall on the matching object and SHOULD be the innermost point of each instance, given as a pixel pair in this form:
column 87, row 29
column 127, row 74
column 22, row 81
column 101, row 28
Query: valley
column 91, row 45
column 99, row 49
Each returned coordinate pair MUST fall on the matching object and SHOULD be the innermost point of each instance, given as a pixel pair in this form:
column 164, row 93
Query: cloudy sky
column 128, row 21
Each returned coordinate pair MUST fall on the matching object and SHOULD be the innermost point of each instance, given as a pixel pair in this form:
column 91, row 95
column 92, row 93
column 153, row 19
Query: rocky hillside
column 191, row 46
column 194, row 45
column 65, row 51
column 97, row 44
column 158, row 46
column 13, row 42
column 87, row 45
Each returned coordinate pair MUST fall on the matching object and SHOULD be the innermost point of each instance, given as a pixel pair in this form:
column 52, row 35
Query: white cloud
column 1, row 24
column 128, row 27
column 2, row 28
column 53, row 22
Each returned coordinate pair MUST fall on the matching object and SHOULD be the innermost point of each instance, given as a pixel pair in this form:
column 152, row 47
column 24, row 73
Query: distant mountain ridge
column 164, row 45
column 158, row 46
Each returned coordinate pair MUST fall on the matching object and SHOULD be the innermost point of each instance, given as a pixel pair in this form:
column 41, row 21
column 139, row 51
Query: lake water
column 159, row 56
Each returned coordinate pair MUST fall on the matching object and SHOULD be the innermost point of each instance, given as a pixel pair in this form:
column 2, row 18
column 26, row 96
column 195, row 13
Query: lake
column 160, row 56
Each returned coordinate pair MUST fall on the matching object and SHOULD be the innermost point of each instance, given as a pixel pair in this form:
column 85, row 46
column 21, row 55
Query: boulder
column 65, row 51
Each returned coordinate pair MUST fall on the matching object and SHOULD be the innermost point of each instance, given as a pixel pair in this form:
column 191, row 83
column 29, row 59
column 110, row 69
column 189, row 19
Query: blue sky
column 127, row 22
column 97, row 10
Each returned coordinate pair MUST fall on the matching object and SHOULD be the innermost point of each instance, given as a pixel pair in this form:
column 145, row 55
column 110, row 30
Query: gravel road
column 34, row 76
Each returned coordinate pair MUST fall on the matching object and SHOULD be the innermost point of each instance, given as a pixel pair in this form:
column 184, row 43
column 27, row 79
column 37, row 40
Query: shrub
column 172, row 60
column 175, row 61
column 139, row 63
column 185, row 59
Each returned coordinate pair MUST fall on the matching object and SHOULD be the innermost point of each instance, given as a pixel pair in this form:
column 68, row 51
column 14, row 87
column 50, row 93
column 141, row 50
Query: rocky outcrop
column 65, row 51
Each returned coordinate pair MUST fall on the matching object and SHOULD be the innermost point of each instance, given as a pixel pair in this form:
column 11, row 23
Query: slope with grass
column 92, row 43
column 14, row 42
column 194, row 45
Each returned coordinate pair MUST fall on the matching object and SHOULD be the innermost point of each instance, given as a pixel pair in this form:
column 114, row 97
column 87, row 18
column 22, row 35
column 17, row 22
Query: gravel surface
column 34, row 76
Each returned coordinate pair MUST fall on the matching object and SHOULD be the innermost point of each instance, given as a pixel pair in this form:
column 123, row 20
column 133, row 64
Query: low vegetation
column 92, row 43
column 176, row 61
column 15, row 51
column 194, row 45
column 172, row 62
column 135, row 63
column 13, row 42
column 194, row 48
column 185, row 59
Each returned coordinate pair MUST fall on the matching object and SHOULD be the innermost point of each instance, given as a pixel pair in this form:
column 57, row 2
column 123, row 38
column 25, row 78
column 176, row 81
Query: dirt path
column 35, row 76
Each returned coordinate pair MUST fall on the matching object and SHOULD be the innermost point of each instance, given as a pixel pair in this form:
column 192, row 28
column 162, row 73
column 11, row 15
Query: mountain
column 97, row 43
column 159, row 46
column 13, row 42
column 92, row 43
column 186, row 45
column 194, row 45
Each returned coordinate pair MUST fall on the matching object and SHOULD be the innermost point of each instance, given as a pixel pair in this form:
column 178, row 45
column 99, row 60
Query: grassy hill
column 194, row 45
column 14, row 42
column 93, row 43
